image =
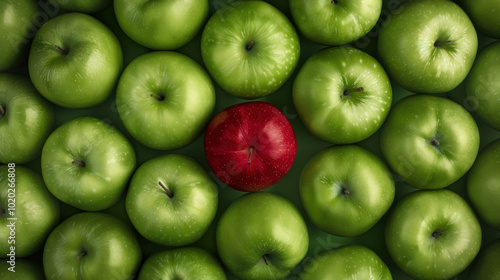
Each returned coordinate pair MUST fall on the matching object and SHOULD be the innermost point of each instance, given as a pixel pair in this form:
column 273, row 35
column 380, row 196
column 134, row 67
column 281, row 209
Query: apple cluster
column 247, row 139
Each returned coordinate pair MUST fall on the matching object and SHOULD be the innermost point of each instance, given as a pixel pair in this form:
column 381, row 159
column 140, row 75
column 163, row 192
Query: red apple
column 250, row 146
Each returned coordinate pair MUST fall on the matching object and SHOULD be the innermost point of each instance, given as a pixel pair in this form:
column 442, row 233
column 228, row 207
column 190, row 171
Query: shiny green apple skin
column 24, row 270
column 26, row 119
column 189, row 263
column 84, row 6
column 487, row 264
column 345, row 190
column 483, row 85
column 429, row 141
column 36, row 210
column 342, row 95
column 161, row 24
column 250, row 48
column 165, row 99
column 429, row 46
column 91, row 246
column 432, row 234
column 335, row 22
column 258, row 228
column 484, row 15
column 16, row 30
column 483, row 185
column 84, row 71
column 177, row 217
column 349, row 262
column 86, row 163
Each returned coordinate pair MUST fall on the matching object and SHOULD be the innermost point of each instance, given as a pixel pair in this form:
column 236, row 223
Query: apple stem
column 2, row 111
column 347, row 92
column 435, row 142
column 265, row 260
column 437, row 233
column 438, row 44
column 346, row 191
column 63, row 51
column 81, row 255
column 250, row 45
column 158, row 96
column 169, row 193
column 334, row 2
column 250, row 152
column 79, row 162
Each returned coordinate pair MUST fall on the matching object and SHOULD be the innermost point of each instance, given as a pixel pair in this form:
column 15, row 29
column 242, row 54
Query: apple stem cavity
column 435, row 142
column 81, row 255
column 80, row 163
column 2, row 111
column 250, row 152
column 63, row 51
column 169, row 193
column 347, row 92
column 250, row 45
column 437, row 234
column 159, row 97
column 265, row 260
column 335, row 1
column 439, row 44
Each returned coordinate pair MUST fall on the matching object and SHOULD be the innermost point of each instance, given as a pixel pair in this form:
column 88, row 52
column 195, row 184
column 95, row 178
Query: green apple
column 429, row 46
column 171, row 200
column 484, row 15
column 342, row 95
column 483, row 85
column 429, row 141
column 16, row 30
column 91, row 246
column 28, row 212
column 349, row 262
column 86, row 163
column 75, row 61
column 432, row 234
column 261, row 236
column 483, row 185
column 250, row 48
column 188, row 263
column 345, row 190
column 85, row 6
column 487, row 265
column 335, row 22
column 161, row 24
column 26, row 119
column 22, row 270
column 165, row 99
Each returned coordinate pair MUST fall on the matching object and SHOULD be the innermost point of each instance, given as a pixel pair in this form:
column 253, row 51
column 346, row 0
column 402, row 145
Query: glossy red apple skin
column 250, row 146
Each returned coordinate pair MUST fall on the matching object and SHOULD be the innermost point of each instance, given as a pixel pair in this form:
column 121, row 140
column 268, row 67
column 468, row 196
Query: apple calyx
column 435, row 142
column 61, row 50
column 80, row 163
column 266, row 261
column 250, row 45
column 347, row 92
column 250, row 152
column 439, row 43
column 82, row 254
column 437, row 233
column 2, row 111
column 159, row 97
column 346, row 192
column 169, row 193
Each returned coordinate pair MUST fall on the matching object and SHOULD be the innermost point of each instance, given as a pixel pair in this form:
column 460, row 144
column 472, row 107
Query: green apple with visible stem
column 483, row 85
column 171, row 200
column 483, row 185
column 16, row 30
column 335, row 22
column 429, row 46
column 91, row 246
column 28, row 212
column 484, row 15
column 487, row 264
column 75, row 61
column 84, row 6
column 189, row 263
column 26, row 119
column 432, row 234
column 86, row 163
column 250, row 48
column 261, row 236
column 342, row 95
column 349, row 262
column 161, row 24
column 429, row 141
column 345, row 190
column 23, row 270
column 165, row 99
